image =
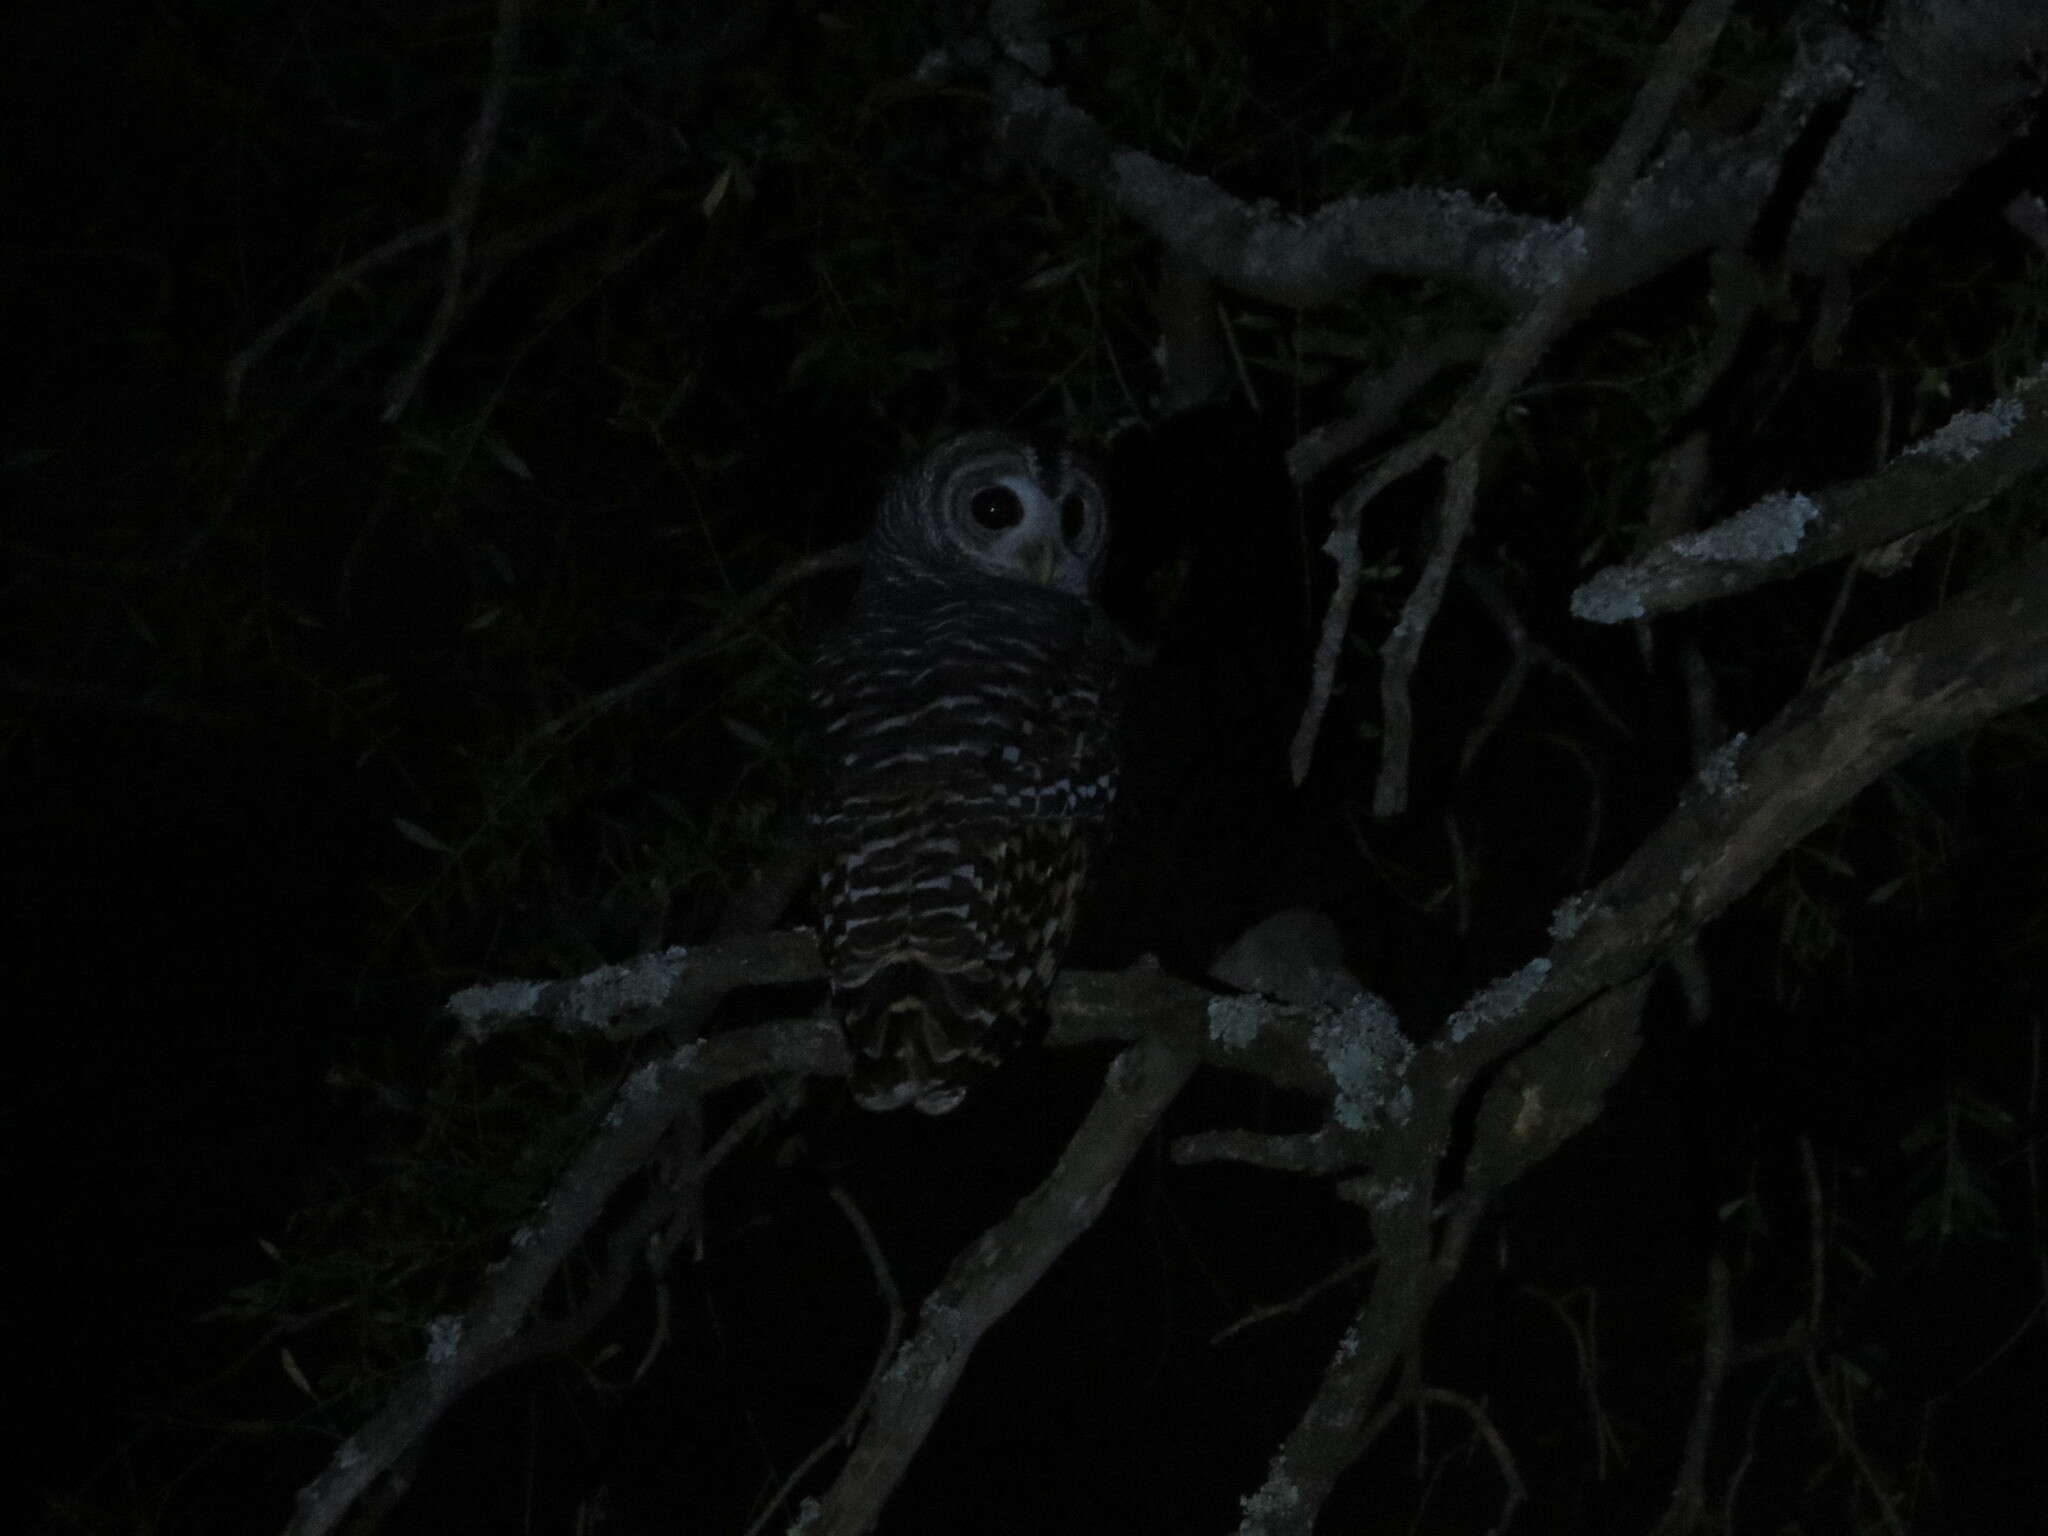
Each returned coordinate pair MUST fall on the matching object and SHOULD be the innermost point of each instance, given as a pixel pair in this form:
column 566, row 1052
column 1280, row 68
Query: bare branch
column 1817, row 1225
column 1679, row 62
column 1956, row 83
column 463, row 1351
column 1255, row 249
column 1503, row 1458
column 1982, row 655
column 1542, row 1097
column 1689, row 1490
column 892, row 1333
column 992, row 1276
column 1986, row 653
column 1348, row 1270
column 673, row 989
column 1459, row 439
column 1970, row 460
column 460, row 221
column 1524, row 656
column 1327, row 1151
column 1700, row 195
column 1382, row 400
column 337, row 280
column 1338, row 1425
column 1403, row 648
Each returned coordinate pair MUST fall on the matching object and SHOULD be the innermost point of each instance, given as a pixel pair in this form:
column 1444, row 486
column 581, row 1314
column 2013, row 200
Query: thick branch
column 1974, row 457
column 1984, row 654
column 674, row 989
column 1255, row 249
column 1949, row 91
column 1339, row 1422
column 1957, row 82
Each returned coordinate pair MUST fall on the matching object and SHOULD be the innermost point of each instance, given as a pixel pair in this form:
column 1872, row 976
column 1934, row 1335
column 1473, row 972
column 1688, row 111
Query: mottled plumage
column 968, row 756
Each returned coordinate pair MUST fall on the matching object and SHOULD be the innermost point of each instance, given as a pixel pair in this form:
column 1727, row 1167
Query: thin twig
column 1585, row 1349
column 1521, row 658
column 340, row 278
column 1350, row 1269
column 1503, row 1458
column 2033, row 1159
column 1327, row 1150
column 892, row 1335
column 1460, row 437
column 685, row 1174
column 1526, row 654
column 1381, row 401
column 462, row 207
column 1816, row 1238
column 839, row 557
column 1403, row 650
column 1845, row 1435
column 1689, row 1491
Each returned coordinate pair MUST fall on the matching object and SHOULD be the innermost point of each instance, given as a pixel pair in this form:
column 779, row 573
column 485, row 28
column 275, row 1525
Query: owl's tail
column 922, row 1036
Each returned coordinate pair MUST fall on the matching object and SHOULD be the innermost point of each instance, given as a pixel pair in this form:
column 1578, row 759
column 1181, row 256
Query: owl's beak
column 1040, row 560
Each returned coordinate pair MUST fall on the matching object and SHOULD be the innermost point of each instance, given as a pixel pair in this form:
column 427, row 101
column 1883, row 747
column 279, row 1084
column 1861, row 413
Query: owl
column 969, row 759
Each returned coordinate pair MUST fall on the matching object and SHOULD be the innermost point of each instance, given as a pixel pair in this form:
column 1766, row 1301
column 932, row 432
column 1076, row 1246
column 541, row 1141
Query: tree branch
column 991, row 1277
column 1952, row 471
column 463, row 200
column 1984, row 654
column 1459, row 439
column 1956, row 83
column 464, row 1351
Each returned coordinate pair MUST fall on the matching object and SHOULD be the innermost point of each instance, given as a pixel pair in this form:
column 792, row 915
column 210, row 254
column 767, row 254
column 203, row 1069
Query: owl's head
column 998, row 505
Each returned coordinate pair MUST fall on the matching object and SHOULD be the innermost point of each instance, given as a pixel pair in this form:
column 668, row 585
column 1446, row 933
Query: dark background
column 274, row 673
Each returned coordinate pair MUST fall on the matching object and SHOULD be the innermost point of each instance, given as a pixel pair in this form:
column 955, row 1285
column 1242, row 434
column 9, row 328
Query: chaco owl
column 969, row 756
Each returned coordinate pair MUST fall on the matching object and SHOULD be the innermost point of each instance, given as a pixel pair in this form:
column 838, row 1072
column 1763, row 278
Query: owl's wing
column 967, row 751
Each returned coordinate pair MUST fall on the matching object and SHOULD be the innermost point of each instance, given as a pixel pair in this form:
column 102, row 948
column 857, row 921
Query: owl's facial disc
column 1011, row 527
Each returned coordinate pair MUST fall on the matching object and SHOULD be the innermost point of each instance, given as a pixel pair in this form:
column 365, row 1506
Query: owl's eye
column 1073, row 516
column 996, row 507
